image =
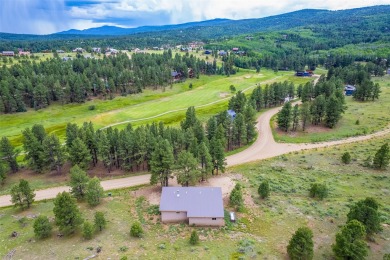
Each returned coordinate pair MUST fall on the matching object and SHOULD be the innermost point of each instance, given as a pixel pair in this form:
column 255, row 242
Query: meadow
column 360, row 118
column 261, row 231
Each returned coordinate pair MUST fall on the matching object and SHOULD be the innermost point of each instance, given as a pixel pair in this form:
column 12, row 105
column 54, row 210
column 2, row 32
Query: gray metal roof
column 196, row 201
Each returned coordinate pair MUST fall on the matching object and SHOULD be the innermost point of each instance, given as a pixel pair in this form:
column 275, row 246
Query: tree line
column 193, row 152
column 32, row 84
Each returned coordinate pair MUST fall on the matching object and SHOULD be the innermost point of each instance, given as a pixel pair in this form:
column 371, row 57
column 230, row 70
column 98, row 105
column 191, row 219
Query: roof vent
column 178, row 194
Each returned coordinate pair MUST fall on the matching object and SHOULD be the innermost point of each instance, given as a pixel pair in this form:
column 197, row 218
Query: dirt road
column 266, row 147
column 107, row 185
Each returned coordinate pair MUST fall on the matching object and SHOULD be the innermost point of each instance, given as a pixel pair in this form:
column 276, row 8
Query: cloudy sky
column 49, row 16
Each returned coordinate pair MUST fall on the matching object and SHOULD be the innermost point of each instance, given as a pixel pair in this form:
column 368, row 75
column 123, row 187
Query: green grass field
column 372, row 116
column 262, row 231
column 142, row 108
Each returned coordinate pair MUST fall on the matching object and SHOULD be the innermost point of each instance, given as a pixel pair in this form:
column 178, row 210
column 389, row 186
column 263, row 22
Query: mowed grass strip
column 360, row 118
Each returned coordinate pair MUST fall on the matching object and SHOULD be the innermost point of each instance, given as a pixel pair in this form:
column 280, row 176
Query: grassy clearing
column 148, row 104
column 372, row 116
column 262, row 231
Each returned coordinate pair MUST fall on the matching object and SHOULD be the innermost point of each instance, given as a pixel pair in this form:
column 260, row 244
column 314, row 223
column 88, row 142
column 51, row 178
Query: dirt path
column 107, row 185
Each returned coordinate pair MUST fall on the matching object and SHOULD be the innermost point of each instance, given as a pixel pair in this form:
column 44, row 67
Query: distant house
column 175, row 75
column 96, row 49
column 222, row 53
column 78, row 50
column 8, row 53
column 231, row 114
column 388, row 71
column 303, row 74
column 235, row 49
column 66, row 58
column 199, row 206
column 60, row 51
column 349, row 90
column 23, row 53
column 207, row 52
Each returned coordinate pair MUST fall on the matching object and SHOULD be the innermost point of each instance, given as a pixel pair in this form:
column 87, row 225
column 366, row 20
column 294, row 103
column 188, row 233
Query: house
column 96, row 50
column 349, row 90
column 231, row 114
column 66, row 58
column 303, row 74
column 235, row 49
column 222, row 53
column 199, row 206
column 23, row 53
column 78, row 50
column 207, row 52
column 60, row 51
column 8, row 53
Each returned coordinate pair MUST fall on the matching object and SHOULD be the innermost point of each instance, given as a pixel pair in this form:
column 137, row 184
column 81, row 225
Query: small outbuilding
column 349, row 90
column 199, row 206
column 231, row 114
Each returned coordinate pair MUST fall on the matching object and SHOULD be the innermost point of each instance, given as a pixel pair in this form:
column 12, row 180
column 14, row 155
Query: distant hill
column 114, row 30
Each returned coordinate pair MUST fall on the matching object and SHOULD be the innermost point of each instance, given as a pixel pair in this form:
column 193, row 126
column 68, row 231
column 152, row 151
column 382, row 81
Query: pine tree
column 53, row 153
column 382, row 157
column 217, row 155
column 366, row 212
column 350, row 241
column 236, row 198
column 79, row 154
column 94, row 192
column 3, row 174
column 9, row 154
column 305, row 114
column 42, row 227
column 204, row 158
column 295, row 118
column 194, row 239
column 301, row 245
column 22, row 195
column 78, row 182
column 187, row 172
column 34, row 150
column 284, row 117
column 161, row 162
column 67, row 214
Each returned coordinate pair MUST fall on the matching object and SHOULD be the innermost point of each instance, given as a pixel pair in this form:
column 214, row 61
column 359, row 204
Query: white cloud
column 47, row 16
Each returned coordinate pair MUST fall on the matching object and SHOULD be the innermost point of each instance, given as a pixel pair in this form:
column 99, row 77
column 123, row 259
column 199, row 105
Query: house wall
column 172, row 216
column 206, row 222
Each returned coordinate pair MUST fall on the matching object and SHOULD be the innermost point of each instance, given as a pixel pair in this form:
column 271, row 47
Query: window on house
column 214, row 218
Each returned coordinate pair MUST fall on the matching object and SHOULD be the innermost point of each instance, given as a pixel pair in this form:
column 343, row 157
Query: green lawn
column 261, row 232
column 141, row 108
column 372, row 115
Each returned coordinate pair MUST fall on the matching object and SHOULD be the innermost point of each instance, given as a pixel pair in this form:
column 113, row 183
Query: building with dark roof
column 199, row 206
column 349, row 90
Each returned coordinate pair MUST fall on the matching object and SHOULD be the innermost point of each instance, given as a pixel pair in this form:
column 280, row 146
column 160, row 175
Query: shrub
column 236, row 198
column 346, row 158
column 366, row 211
column 87, row 230
column 190, row 86
column 264, row 189
column 92, row 107
column 42, row 227
column 318, row 190
column 136, row 230
column 194, row 239
column 350, row 241
column 301, row 244
column 100, row 220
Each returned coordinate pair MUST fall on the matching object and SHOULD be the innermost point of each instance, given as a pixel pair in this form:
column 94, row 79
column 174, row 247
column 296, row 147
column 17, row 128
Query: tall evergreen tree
column 187, row 169
column 22, row 195
column 53, row 153
column 295, row 117
column 67, row 214
column 382, row 157
column 161, row 163
column 79, row 154
column 78, row 182
column 9, row 154
column 284, row 117
column 305, row 114
column 94, row 192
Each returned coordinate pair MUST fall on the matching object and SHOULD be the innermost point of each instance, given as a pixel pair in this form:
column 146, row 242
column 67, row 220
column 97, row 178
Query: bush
column 350, row 242
column 190, row 86
column 264, row 189
column 136, row 230
column 92, row 107
column 42, row 227
column 88, row 230
column 236, row 198
column 366, row 212
column 346, row 158
column 100, row 220
column 194, row 239
column 318, row 190
column 301, row 244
